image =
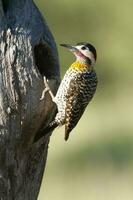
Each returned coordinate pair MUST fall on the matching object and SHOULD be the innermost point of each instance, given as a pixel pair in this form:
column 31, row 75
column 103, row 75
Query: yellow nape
column 77, row 65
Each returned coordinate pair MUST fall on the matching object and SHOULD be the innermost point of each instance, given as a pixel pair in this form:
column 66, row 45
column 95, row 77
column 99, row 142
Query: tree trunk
column 27, row 53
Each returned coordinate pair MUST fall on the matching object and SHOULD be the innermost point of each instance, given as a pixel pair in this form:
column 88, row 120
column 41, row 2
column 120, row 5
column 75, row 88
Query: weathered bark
column 27, row 53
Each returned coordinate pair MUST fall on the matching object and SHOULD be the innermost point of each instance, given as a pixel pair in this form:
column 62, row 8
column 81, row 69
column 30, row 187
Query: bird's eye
column 83, row 48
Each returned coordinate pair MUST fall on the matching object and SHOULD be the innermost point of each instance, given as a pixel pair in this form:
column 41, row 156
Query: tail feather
column 67, row 132
column 45, row 130
column 66, row 136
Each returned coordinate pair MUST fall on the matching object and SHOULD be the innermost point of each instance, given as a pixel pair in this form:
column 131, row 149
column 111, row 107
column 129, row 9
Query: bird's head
column 83, row 51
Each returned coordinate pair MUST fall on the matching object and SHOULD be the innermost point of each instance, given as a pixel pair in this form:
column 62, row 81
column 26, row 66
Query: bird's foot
column 47, row 89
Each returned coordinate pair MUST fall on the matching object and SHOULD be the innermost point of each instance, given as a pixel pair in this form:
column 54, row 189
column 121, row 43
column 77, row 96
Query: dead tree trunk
column 27, row 53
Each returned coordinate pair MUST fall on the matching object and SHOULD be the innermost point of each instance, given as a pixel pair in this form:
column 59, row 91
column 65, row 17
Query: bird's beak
column 70, row 47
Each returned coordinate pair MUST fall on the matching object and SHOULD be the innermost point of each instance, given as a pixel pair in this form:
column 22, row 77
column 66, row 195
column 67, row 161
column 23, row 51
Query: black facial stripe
column 89, row 61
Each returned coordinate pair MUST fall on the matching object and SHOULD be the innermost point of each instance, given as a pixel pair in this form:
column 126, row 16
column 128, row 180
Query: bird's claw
column 46, row 88
column 43, row 93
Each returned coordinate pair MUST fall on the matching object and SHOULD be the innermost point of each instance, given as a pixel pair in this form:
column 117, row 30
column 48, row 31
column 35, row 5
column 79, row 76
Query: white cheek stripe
column 87, row 53
column 90, row 55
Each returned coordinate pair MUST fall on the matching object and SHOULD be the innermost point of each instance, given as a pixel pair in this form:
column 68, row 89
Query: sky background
column 97, row 161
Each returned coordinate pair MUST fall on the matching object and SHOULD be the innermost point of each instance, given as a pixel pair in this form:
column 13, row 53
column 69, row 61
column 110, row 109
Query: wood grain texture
column 24, row 39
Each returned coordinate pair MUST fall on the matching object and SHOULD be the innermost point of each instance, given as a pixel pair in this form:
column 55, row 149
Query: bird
column 76, row 89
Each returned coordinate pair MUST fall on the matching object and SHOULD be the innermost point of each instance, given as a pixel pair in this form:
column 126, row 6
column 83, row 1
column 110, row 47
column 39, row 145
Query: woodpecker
column 76, row 89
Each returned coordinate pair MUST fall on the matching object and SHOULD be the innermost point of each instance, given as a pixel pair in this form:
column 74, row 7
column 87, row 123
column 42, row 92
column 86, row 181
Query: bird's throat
column 81, row 66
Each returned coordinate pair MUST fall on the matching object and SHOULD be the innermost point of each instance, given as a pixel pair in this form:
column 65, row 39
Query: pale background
column 97, row 161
